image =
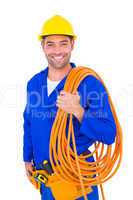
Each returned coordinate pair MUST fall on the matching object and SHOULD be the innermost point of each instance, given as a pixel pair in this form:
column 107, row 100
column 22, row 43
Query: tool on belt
column 40, row 176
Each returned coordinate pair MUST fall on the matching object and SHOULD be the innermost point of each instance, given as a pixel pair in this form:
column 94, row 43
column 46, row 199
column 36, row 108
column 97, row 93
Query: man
column 46, row 95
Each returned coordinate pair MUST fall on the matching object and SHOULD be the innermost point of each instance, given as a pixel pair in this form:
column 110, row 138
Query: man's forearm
column 79, row 113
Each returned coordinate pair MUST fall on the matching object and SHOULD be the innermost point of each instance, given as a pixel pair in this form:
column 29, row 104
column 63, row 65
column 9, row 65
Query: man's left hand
column 70, row 103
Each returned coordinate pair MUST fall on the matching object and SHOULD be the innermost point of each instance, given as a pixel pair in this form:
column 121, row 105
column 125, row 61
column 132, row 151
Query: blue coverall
column 97, row 123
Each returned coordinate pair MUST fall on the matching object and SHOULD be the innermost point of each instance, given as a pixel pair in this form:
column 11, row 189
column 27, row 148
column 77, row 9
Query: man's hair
column 70, row 36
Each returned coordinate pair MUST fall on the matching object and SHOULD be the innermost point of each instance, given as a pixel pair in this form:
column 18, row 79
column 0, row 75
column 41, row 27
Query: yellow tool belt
column 64, row 190
column 60, row 188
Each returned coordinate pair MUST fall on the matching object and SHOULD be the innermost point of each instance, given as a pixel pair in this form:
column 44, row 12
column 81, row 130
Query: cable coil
column 65, row 161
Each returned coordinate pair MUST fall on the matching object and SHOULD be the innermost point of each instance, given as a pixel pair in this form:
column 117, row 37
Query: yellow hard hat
column 57, row 25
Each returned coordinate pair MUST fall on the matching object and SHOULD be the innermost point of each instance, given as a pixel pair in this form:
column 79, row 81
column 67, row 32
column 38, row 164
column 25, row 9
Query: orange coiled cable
column 65, row 161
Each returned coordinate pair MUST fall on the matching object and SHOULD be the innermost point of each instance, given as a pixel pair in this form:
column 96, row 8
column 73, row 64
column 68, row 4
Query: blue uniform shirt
column 97, row 124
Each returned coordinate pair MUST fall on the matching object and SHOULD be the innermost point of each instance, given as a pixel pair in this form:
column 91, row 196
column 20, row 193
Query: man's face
column 57, row 49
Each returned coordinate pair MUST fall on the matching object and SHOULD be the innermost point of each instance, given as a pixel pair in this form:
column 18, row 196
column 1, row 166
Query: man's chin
column 59, row 65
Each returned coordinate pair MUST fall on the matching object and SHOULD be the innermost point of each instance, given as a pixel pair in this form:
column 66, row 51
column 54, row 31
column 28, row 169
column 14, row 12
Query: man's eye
column 49, row 45
column 64, row 44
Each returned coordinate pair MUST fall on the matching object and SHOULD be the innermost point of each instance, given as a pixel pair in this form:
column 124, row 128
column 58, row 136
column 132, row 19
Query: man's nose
column 57, row 49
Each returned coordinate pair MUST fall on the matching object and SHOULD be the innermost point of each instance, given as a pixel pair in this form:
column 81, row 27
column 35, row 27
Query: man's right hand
column 29, row 168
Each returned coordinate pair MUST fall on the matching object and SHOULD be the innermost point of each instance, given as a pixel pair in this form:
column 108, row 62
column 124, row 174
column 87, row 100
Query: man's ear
column 72, row 43
column 42, row 43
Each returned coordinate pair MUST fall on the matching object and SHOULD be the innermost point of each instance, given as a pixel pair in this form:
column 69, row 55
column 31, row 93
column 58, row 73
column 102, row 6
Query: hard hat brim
column 40, row 37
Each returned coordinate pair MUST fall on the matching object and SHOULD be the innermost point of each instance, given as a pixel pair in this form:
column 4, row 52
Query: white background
column 105, row 43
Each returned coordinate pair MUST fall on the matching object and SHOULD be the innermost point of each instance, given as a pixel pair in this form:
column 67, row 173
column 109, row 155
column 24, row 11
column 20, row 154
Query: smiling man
column 57, row 49
column 92, row 117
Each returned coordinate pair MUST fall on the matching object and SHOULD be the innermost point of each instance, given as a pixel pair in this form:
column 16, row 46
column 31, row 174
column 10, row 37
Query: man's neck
column 58, row 74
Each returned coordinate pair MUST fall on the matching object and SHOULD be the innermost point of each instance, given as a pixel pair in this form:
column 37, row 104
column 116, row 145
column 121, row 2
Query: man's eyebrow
column 50, row 42
column 64, row 41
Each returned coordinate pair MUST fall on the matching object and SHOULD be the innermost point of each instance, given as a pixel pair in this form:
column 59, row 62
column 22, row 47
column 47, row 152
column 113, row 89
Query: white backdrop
column 105, row 43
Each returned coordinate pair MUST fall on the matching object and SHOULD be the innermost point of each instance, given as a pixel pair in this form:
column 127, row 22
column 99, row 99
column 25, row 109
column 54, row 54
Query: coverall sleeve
column 98, row 122
column 27, row 141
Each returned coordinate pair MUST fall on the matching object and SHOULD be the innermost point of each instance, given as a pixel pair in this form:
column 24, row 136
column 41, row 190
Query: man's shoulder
column 36, row 79
column 92, row 81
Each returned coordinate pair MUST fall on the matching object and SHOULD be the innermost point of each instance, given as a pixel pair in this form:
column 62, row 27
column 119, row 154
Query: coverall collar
column 58, row 87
